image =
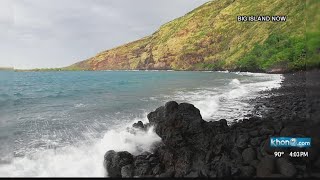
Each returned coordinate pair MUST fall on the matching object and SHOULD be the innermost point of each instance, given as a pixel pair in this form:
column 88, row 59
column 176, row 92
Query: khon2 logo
column 290, row 142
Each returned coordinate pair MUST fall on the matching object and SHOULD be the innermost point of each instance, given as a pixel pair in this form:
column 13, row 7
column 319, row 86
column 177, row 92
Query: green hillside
column 211, row 38
column 313, row 34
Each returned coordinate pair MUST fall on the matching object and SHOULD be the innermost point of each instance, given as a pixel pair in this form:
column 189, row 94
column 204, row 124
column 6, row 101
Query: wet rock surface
column 192, row 147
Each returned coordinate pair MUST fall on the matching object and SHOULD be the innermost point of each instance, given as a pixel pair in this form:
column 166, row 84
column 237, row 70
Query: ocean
column 61, row 123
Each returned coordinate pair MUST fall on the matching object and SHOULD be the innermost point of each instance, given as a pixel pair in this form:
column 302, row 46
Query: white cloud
column 55, row 33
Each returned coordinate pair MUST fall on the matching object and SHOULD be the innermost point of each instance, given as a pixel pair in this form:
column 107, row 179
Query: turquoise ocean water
column 61, row 123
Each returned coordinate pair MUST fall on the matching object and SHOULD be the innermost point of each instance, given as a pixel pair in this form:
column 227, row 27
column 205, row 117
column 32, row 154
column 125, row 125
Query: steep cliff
column 211, row 38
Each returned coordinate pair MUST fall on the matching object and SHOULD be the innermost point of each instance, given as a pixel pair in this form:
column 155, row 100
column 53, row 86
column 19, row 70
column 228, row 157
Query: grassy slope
column 210, row 38
column 313, row 34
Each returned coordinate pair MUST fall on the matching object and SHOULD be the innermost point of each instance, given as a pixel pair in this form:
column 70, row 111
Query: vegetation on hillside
column 6, row 68
column 313, row 34
column 210, row 38
column 277, row 52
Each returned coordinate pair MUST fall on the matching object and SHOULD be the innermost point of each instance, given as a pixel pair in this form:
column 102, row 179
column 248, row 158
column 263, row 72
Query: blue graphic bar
column 287, row 142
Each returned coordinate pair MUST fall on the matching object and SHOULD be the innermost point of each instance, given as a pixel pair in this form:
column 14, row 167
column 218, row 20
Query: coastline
column 146, row 70
column 192, row 147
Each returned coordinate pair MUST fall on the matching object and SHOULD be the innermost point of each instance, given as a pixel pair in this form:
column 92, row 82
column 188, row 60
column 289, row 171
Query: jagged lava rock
column 178, row 125
column 114, row 161
column 192, row 147
column 286, row 168
column 138, row 125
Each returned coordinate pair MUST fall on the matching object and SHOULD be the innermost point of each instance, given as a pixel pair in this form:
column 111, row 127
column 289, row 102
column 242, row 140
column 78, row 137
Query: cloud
column 47, row 33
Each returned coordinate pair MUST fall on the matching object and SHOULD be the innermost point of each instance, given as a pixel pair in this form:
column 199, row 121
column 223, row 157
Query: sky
column 58, row 33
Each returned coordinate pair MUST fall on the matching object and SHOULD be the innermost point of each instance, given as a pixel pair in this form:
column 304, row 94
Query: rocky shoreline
column 192, row 147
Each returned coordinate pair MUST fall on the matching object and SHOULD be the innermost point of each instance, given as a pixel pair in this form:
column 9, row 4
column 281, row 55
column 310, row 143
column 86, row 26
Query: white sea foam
column 84, row 160
column 224, row 71
column 207, row 71
column 79, row 105
column 235, row 82
column 229, row 101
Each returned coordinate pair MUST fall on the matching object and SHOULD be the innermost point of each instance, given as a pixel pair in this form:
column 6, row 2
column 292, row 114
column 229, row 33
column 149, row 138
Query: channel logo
column 287, row 142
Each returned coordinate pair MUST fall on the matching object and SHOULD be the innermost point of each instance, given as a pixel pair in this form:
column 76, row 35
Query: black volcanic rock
column 247, row 171
column 248, row 155
column 138, row 125
column 266, row 131
column 286, row 168
column 266, row 167
column 178, row 124
column 192, row 147
column 242, row 140
column 127, row 171
column 114, row 161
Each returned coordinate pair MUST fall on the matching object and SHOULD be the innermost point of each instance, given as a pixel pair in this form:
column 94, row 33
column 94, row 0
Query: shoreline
column 192, row 147
column 156, row 70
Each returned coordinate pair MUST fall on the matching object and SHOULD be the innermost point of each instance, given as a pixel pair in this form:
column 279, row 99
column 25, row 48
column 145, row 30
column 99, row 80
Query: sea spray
column 80, row 160
column 231, row 101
